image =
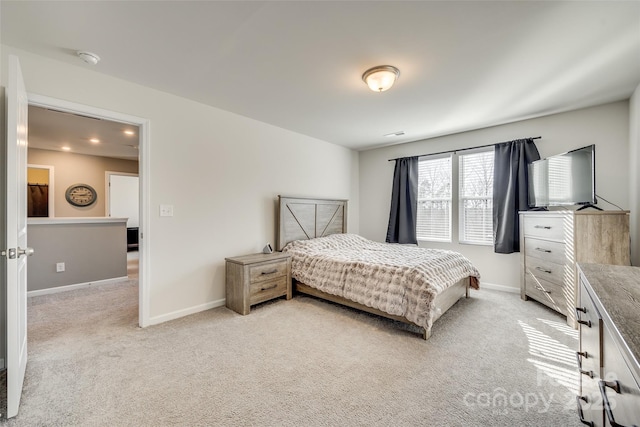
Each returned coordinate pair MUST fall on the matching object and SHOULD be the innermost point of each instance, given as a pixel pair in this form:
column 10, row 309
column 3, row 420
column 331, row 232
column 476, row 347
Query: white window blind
column 434, row 199
column 476, row 197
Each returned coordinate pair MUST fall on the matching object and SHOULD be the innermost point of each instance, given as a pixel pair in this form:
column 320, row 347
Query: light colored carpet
column 493, row 360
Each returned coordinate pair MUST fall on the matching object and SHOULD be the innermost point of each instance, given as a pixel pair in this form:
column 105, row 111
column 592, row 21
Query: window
column 443, row 188
column 434, row 199
column 476, row 197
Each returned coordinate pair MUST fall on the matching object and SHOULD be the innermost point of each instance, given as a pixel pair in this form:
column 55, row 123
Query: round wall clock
column 81, row 195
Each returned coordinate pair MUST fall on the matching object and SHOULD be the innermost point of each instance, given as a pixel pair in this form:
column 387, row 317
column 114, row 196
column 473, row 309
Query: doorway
column 123, row 193
column 143, row 192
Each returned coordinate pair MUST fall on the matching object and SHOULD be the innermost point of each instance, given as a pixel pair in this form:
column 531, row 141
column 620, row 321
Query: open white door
column 16, row 250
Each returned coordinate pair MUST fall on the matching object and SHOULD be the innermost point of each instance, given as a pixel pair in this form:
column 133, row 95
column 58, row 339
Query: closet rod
column 459, row 149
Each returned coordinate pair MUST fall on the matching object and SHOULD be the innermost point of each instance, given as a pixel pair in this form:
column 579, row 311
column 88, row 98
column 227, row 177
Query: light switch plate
column 166, row 210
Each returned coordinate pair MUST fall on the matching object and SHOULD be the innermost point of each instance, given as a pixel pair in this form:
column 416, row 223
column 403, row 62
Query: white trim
column 52, row 185
column 501, row 288
column 144, row 170
column 186, row 312
column 74, row 220
column 66, row 288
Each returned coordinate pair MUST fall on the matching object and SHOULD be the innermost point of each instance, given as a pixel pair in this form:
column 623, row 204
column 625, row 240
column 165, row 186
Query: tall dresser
column 553, row 242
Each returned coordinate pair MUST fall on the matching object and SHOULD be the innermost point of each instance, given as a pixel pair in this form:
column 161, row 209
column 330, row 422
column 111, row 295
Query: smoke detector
column 89, row 57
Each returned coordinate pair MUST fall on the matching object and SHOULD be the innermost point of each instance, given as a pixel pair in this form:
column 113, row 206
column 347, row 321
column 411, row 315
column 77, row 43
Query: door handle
column 26, row 251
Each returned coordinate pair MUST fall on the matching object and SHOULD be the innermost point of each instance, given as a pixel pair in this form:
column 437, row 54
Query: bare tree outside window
column 434, row 199
column 476, row 197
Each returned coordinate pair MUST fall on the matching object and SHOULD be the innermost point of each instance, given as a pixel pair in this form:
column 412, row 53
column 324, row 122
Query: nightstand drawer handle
column 275, row 270
column 541, row 289
column 544, row 227
column 543, row 270
column 546, row 251
column 269, row 287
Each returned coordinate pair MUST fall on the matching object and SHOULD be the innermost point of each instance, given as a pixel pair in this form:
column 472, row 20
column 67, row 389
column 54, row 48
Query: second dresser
column 552, row 242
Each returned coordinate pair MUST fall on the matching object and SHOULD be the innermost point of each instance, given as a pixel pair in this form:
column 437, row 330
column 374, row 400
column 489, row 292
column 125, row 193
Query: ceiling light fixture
column 88, row 57
column 66, row 148
column 94, row 140
column 381, row 78
column 129, row 132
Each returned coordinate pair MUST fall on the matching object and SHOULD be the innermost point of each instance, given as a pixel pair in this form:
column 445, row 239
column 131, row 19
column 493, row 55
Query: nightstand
column 252, row 279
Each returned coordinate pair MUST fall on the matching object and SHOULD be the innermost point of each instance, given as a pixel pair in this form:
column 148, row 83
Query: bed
column 404, row 283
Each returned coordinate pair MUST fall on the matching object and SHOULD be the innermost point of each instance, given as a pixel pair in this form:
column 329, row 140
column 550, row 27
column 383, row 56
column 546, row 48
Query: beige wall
column 222, row 173
column 72, row 168
column 607, row 126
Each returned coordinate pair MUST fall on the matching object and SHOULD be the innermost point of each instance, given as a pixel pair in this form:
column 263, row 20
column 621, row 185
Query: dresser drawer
column 268, row 271
column 546, row 250
column 547, row 270
column 266, row 290
column 544, row 227
column 622, row 389
column 550, row 294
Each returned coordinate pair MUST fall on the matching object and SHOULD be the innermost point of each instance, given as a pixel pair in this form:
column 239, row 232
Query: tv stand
column 588, row 205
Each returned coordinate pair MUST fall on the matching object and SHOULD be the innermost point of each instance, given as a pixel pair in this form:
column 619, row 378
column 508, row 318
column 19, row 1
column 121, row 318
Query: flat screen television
column 564, row 179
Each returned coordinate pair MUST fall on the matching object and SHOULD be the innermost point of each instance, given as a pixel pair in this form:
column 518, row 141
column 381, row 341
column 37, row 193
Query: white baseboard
column 501, row 288
column 185, row 312
column 73, row 287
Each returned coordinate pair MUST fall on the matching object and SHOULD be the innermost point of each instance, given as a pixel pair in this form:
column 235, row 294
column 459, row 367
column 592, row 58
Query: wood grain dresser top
column 617, row 289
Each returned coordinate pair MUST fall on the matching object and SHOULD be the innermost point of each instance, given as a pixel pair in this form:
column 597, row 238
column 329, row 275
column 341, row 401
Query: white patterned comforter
column 396, row 279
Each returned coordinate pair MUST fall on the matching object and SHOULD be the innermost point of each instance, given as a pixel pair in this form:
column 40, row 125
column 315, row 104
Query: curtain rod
column 459, row 149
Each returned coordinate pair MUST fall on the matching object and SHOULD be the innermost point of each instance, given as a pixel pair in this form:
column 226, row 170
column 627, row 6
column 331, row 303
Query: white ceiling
column 53, row 130
column 298, row 64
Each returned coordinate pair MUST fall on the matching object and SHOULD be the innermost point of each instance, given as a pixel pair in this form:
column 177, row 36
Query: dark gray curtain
column 510, row 191
column 404, row 202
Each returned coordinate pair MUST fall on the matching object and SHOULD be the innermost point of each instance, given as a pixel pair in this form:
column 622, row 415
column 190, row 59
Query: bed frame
column 303, row 218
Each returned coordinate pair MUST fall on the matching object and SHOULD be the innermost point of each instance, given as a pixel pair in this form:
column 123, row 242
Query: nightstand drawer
column 262, row 272
column 266, row 290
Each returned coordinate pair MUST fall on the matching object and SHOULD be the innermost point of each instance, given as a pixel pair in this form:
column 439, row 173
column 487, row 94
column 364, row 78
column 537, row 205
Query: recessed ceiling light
column 94, row 140
column 399, row 133
column 129, row 132
column 66, row 148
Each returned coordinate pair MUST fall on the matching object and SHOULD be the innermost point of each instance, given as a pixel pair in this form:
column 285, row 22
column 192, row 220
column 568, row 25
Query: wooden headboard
column 303, row 219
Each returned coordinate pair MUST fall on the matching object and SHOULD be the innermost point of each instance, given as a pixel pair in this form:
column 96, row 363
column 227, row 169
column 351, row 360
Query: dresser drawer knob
column 544, row 270
column 544, row 227
column 546, row 251
column 269, row 287
column 275, row 270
